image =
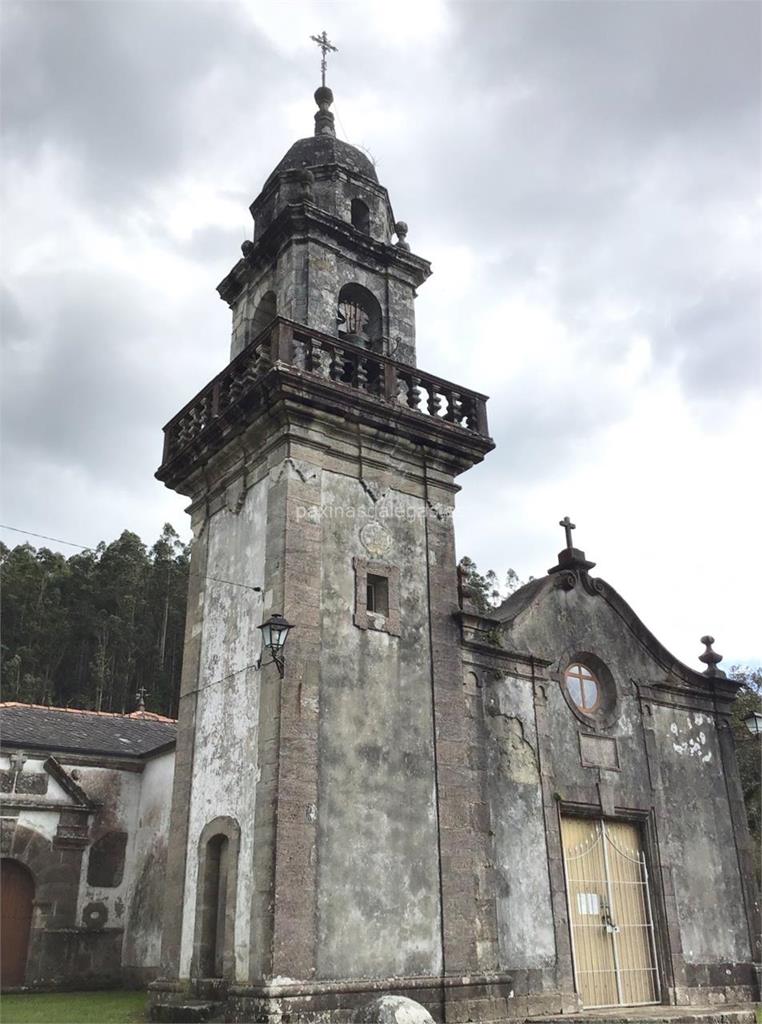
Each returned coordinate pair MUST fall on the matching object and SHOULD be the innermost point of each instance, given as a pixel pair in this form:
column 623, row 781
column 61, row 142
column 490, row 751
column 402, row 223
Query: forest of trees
column 89, row 630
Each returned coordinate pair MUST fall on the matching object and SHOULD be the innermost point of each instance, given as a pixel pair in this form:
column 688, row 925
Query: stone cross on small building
column 568, row 526
column 326, row 46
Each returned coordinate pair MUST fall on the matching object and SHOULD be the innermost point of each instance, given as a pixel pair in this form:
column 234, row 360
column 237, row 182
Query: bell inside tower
column 359, row 317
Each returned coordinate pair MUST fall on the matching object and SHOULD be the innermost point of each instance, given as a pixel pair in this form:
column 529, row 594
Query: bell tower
column 313, row 854
column 322, row 253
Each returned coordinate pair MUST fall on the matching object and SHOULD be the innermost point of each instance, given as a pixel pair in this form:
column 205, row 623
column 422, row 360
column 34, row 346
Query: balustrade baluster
column 322, row 358
column 337, row 364
column 375, row 377
column 413, row 393
column 330, row 360
column 301, row 352
column 434, row 400
column 262, row 360
column 449, row 401
column 361, row 376
column 455, row 413
column 469, row 413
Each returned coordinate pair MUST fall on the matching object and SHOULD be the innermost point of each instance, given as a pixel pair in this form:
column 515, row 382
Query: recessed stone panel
column 598, row 752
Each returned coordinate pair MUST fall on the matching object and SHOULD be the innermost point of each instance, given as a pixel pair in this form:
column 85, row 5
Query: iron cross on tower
column 327, row 47
column 568, row 526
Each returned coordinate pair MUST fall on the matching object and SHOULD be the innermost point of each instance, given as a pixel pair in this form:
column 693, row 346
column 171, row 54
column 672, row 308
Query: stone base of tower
column 478, row 998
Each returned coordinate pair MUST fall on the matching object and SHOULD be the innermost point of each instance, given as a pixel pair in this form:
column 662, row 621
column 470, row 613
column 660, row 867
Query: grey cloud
column 114, row 85
column 14, row 325
column 101, row 380
column 613, row 144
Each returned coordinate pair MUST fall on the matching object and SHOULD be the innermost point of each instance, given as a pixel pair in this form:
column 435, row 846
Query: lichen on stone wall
column 516, row 757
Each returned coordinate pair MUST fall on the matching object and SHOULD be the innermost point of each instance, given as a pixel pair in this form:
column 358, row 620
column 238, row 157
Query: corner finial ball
column 400, row 230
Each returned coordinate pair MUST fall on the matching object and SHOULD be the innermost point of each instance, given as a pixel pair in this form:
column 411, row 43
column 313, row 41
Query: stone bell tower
column 311, row 832
column 322, row 253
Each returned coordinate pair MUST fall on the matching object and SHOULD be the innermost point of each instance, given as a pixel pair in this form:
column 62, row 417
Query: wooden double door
column 609, row 903
column 16, row 902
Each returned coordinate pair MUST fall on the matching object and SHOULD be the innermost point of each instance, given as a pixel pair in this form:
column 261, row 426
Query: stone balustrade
column 334, row 360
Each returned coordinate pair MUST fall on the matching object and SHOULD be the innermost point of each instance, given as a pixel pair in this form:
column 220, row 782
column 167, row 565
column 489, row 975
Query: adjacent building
column 84, row 819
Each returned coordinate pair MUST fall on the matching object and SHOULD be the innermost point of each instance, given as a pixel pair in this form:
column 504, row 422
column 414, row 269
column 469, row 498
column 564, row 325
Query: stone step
column 655, row 1015
column 188, row 1012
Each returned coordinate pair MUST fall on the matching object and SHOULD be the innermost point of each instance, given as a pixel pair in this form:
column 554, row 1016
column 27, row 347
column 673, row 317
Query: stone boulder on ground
column 395, row 1010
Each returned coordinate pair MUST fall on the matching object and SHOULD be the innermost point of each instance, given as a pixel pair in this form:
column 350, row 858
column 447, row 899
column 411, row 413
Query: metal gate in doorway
column 609, row 903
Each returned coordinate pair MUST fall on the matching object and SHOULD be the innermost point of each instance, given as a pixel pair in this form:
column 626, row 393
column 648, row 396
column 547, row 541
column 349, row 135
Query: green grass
column 74, row 1008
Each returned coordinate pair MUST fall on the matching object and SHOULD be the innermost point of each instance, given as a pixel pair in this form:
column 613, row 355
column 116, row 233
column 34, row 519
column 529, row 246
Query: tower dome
column 318, row 150
column 324, row 148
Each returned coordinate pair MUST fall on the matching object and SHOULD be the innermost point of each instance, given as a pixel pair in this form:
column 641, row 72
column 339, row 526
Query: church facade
column 533, row 812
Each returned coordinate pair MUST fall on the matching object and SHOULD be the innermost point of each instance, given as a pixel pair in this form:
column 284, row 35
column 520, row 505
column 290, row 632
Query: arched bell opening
column 265, row 312
column 359, row 317
column 360, row 216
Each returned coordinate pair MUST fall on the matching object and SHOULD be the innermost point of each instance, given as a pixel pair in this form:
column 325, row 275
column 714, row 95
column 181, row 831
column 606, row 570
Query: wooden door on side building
column 609, row 903
column 16, row 901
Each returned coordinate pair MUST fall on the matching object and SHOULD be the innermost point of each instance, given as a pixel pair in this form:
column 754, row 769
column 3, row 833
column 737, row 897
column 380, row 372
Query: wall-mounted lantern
column 275, row 632
column 753, row 723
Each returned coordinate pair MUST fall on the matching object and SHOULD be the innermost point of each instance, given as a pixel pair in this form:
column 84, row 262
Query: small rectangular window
column 378, row 595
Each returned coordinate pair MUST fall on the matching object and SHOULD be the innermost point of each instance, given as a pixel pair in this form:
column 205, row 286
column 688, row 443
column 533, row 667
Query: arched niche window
column 360, row 216
column 105, row 865
column 214, row 901
column 265, row 312
column 214, row 943
column 359, row 317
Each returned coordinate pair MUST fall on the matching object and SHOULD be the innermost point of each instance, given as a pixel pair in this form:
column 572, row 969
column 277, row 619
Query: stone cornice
column 286, row 397
column 291, row 375
column 334, row 170
column 303, row 221
column 56, row 770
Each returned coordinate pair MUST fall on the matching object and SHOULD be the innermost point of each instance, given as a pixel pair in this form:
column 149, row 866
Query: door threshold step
column 191, row 1011
column 655, row 1015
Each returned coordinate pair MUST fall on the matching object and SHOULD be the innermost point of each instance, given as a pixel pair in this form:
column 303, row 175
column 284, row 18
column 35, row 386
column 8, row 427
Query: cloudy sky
column 583, row 176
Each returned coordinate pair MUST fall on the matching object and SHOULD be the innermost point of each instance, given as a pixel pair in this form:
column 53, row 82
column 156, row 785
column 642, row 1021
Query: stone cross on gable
column 140, row 697
column 568, row 526
column 326, row 46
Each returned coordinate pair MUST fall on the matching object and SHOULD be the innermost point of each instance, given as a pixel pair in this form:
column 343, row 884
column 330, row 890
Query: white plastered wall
column 225, row 753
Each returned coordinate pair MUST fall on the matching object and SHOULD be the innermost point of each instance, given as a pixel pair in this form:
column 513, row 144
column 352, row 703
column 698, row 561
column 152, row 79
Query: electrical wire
column 73, row 544
column 42, row 536
column 232, row 583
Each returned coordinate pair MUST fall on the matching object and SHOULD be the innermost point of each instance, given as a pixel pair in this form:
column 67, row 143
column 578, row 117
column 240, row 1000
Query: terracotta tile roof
column 37, row 727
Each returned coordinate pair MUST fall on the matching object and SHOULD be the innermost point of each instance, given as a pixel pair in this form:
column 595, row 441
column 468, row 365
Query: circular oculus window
column 583, row 687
